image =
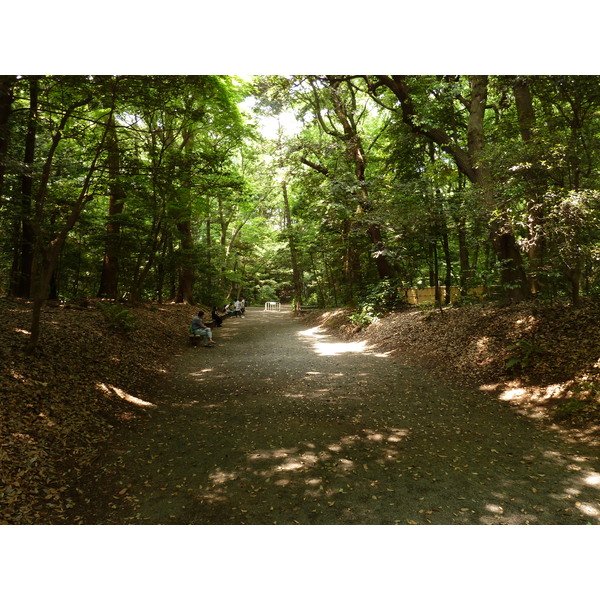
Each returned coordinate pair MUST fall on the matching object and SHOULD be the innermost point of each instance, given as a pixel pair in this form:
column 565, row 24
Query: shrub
column 117, row 317
column 522, row 355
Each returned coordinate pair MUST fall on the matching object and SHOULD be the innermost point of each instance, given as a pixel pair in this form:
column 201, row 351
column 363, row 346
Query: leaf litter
column 398, row 449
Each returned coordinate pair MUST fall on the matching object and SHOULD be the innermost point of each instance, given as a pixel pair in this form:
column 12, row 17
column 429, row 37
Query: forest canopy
column 164, row 188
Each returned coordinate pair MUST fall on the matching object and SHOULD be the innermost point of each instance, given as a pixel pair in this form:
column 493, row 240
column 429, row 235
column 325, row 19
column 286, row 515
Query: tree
column 49, row 244
column 467, row 154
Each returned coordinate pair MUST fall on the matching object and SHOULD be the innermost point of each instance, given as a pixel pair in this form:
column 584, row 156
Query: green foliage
column 377, row 299
column 572, row 408
column 202, row 190
column 523, row 354
column 365, row 316
column 382, row 296
column 118, row 317
column 266, row 293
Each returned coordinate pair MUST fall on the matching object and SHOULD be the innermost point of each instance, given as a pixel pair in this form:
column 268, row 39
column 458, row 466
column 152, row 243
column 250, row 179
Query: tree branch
column 315, row 166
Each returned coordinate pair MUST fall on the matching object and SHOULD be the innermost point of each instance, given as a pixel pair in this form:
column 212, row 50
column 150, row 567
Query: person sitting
column 216, row 317
column 199, row 329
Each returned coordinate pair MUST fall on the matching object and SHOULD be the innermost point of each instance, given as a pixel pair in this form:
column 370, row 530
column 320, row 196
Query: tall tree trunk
column 448, row 267
column 466, row 272
column 574, row 277
column 185, row 290
column 209, row 250
column 533, row 179
column 7, row 83
column 512, row 272
column 110, row 265
column 355, row 149
column 22, row 276
column 296, row 273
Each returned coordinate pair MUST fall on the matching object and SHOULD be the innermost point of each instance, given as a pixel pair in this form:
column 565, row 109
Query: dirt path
column 284, row 424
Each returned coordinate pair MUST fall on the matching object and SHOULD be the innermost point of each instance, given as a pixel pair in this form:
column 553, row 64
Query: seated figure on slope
column 199, row 329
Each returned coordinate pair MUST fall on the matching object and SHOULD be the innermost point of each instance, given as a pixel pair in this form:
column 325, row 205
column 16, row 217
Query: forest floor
column 470, row 416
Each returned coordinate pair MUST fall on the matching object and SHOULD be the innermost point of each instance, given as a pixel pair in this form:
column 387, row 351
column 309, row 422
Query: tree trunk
column 22, row 277
column 110, row 266
column 448, row 268
column 512, row 272
column 466, row 272
column 185, row 291
column 296, row 273
column 7, row 83
column 355, row 149
column 535, row 207
column 574, row 276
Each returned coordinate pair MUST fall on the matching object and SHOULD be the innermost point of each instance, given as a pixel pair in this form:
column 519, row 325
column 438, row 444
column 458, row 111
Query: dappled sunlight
column 324, row 348
column 220, row 476
column 312, row 471
column 112, row 390
column 578, row 485
column 202, row 374
column 337, row 348
column 313, row 332
column 533, row 401
column 533, row 394
column 592, row 479
column 23, row 331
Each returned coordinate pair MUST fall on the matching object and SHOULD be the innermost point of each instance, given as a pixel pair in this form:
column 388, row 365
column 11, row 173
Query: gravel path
column 284, row 424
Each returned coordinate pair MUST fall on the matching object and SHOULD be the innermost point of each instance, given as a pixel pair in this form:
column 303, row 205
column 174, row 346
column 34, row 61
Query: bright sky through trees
column 269, row 126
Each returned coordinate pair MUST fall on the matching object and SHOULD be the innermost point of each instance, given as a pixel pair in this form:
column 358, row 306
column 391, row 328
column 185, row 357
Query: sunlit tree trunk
column 296, row 272
column 185, row 289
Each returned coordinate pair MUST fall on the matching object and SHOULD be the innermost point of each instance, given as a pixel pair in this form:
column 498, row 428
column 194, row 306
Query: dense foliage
column 163, row 188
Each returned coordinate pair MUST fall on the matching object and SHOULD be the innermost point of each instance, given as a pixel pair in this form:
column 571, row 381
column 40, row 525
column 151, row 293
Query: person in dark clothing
column 216, row 318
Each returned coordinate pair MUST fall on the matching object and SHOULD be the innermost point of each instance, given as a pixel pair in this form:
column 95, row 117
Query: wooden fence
column 427, row 295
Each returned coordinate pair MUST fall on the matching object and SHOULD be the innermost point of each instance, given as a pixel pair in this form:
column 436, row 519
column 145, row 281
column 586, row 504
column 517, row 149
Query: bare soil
column 284, row 422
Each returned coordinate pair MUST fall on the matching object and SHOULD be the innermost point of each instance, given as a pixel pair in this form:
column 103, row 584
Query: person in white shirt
column 237, row 311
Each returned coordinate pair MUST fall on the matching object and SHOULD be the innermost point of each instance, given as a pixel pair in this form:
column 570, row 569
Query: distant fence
column 272, row 306
column 427, row 295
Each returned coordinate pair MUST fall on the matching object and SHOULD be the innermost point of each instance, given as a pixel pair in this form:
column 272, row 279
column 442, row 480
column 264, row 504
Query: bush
column 523, row 353
column 377, row 299
column 117, row 317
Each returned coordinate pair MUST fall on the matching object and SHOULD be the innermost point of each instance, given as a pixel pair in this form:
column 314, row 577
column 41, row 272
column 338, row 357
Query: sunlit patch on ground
column 220, row 476
column 337, row 348
column 111, row 389
column 324, row 348
column 201, row 375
